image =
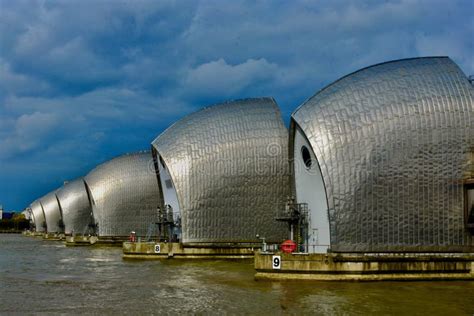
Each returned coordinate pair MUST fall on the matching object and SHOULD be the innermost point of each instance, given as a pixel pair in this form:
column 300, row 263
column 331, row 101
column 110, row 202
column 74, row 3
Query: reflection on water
column 45, row 276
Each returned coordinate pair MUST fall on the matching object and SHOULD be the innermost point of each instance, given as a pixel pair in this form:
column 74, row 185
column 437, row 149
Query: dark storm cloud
column 83, row 81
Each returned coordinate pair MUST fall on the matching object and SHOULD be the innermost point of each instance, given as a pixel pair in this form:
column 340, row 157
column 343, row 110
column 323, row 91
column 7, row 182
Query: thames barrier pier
column 383, row 177
column 364, row 267
column 217, row 198
column 165, row 250
column 80, row 241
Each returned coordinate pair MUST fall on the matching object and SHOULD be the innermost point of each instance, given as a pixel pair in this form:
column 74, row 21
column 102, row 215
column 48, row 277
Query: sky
column 84, row 81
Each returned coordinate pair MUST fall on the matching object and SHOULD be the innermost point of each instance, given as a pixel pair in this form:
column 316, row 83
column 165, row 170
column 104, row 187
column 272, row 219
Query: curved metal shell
column 228, row 164
column 124, row 195
column 52, row 213
column 26, row 213
column 38, row 215
column 75, row 207
column 393, row 143
column 32, row 217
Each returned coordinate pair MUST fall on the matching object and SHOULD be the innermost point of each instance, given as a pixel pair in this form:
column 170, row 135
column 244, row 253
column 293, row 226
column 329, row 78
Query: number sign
column 157, row 249
column 276, row 262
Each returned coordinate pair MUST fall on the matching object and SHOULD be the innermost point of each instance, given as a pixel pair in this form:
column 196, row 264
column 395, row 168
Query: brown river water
column 45, row 277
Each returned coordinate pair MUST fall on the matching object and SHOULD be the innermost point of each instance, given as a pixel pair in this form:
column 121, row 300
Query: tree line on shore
column 17, row 222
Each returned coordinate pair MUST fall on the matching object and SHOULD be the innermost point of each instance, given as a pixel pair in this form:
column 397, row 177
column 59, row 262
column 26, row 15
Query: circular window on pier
column 306, row 157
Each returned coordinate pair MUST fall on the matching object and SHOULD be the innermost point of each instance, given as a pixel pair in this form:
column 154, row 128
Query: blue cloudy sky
column 84, row 81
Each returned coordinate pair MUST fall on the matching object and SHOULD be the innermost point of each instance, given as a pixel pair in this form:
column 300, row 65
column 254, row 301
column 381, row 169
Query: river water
column 45, row 277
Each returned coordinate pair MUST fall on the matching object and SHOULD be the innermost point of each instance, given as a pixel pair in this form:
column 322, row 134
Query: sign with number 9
column 276, row 262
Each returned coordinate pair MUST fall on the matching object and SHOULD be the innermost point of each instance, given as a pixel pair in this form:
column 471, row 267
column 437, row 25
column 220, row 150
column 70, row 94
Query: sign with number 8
column 157, row 249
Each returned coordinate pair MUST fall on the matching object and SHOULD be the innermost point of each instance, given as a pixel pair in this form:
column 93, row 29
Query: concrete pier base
column 162, row 250
column 364, row 267
column 79, row 241
column 54, row 236
column 37, row 234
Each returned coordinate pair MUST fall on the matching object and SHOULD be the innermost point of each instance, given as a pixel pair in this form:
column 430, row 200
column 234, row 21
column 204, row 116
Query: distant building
column 6, row 215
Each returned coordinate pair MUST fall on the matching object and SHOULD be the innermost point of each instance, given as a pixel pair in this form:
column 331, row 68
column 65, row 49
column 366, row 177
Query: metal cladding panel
column 393, row 142
column 124, row 195
column 52, row 213
column 229, row 166
column 38, row 215
column 75, row 207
